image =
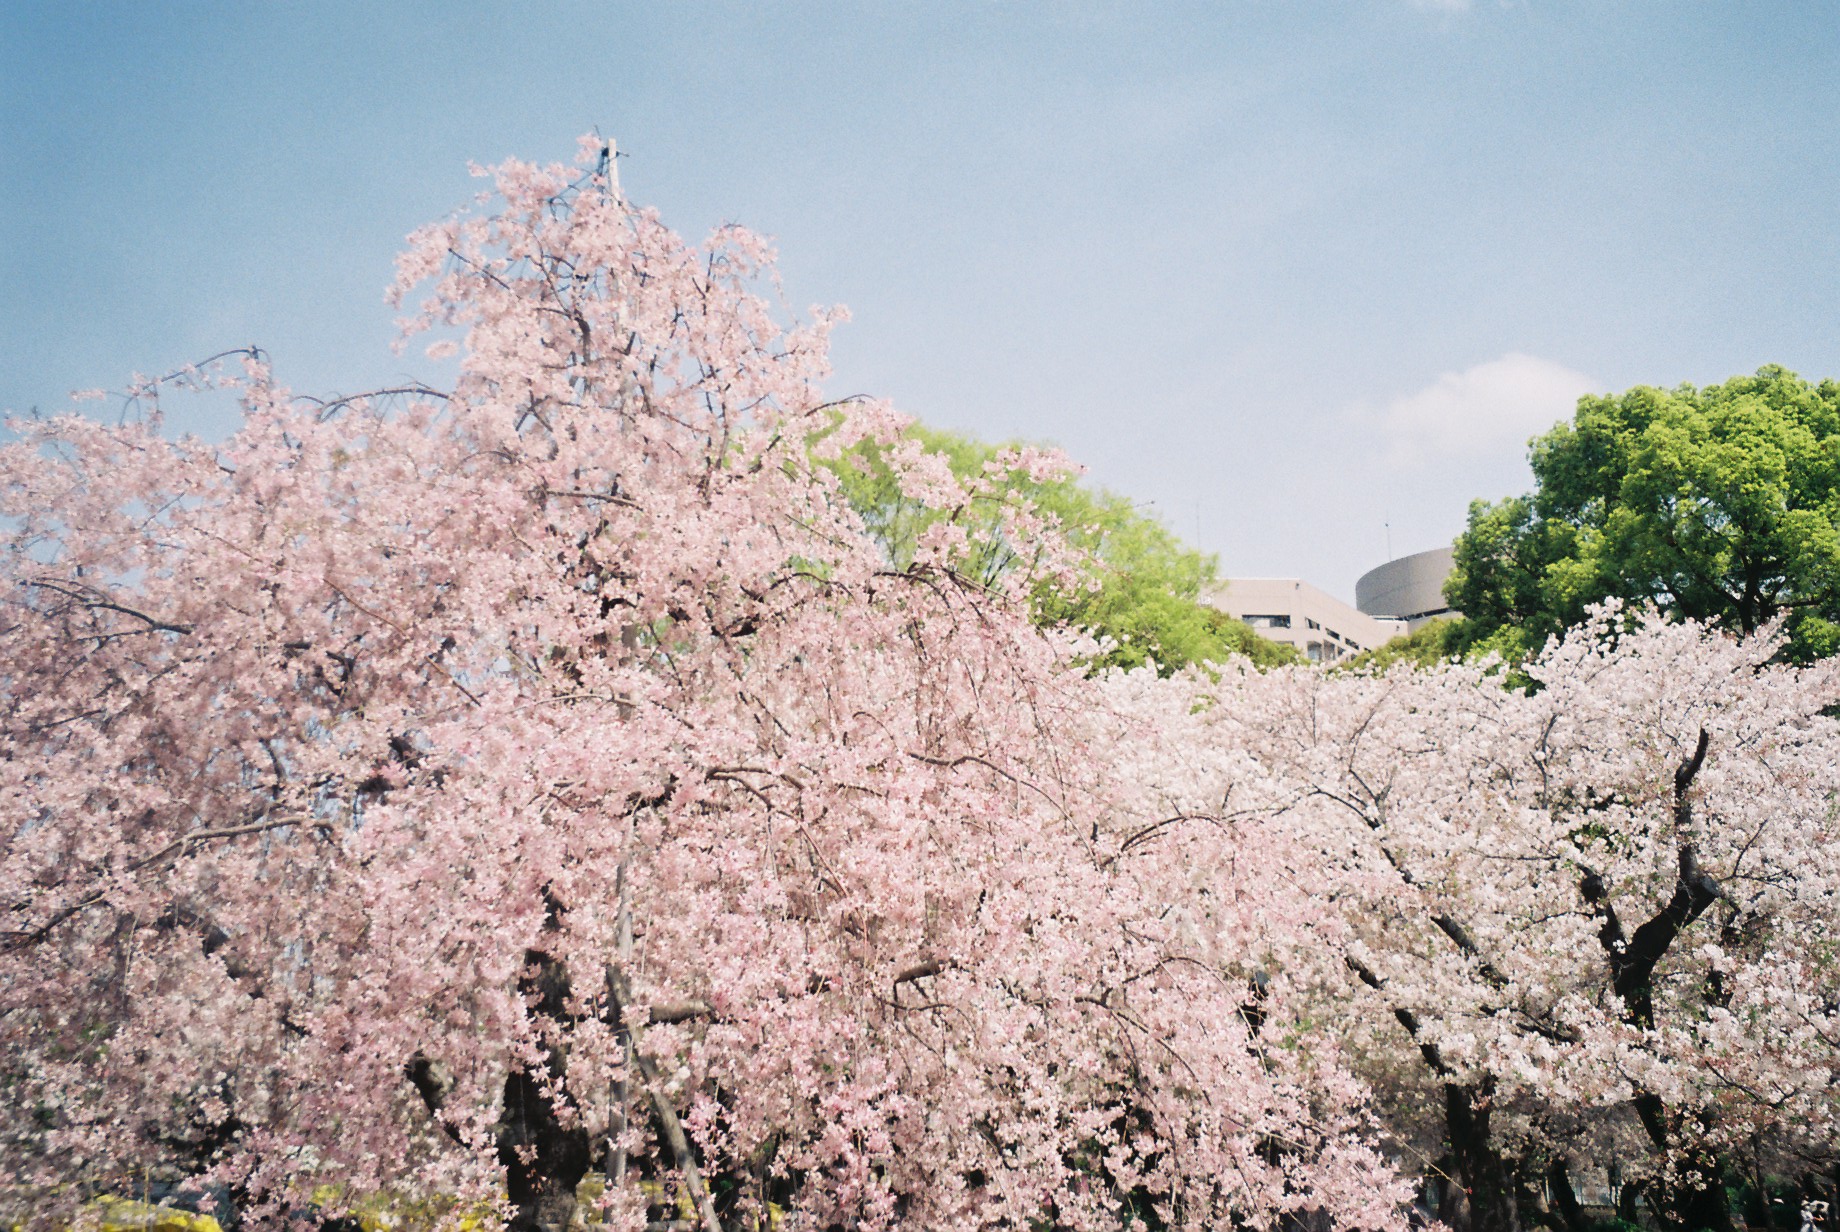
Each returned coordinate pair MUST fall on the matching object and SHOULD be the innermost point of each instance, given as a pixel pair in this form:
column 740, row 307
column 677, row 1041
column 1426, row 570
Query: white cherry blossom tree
column 1589, row 918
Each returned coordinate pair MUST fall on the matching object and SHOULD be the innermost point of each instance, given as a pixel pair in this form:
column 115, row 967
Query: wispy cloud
column 1486, row 409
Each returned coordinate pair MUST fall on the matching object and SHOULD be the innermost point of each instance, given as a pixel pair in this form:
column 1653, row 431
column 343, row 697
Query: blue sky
column 1286, row 272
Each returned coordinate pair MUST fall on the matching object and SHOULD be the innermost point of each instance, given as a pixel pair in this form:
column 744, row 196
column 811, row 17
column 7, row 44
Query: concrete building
column 1293, row 611
column 1410, row 588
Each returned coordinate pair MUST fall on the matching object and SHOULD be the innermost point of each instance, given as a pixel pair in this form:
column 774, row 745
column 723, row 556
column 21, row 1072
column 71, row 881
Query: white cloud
column 1488, row 409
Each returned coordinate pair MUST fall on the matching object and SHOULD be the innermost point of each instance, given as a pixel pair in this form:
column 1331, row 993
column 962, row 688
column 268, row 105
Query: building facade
column 1292, row 611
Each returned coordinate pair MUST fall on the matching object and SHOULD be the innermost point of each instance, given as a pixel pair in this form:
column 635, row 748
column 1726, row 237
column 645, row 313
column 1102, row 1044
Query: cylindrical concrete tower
column 1410, row 588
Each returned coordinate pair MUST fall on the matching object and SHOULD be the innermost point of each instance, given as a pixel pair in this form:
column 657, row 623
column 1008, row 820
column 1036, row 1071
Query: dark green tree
column 1147, row 585
column 1721, row 503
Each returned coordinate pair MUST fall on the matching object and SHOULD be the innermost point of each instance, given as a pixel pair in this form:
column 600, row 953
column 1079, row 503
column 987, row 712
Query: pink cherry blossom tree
column 453, row 792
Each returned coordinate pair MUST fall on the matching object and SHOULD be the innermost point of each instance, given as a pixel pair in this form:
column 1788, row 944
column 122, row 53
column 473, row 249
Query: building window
column 1270, row 622
column 1312, row 623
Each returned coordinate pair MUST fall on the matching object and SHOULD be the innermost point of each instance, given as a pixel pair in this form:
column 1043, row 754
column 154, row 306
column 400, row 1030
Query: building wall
column 1410, row 588
column 1292, row 611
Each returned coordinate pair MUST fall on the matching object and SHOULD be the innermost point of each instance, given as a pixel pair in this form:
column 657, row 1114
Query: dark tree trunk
column 1689, row 1206
column 1487, row 1202
column 1564, row 1197
column 543, row 1161
column 1700, row 1205
column 1482, row 1198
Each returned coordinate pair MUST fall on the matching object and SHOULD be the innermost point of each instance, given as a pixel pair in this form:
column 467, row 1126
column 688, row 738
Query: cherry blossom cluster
column 458, row 794
column 451, row 793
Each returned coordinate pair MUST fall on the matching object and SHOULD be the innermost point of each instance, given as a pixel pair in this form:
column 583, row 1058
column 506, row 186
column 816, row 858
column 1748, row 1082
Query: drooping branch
column 185, row 844
column 619, row 993
column 679, row 1142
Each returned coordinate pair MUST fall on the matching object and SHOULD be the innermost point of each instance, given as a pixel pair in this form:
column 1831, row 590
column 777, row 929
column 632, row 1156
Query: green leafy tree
column 1720, row 503
column 1142, row 594
column 1432, row 643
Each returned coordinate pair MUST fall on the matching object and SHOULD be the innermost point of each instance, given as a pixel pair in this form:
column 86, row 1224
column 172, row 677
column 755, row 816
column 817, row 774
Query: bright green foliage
column 1240, row 638
column 1717, row 503
column 1146, row 585
column 1432, row 643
